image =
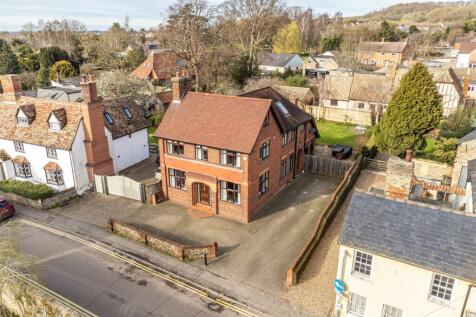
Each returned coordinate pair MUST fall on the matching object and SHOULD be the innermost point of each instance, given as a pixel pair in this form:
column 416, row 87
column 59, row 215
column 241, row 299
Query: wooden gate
column 375, row 165
column 326, row 165
column 120, row 186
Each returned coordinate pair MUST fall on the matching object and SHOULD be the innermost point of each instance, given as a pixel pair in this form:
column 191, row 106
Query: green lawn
column 336, row 133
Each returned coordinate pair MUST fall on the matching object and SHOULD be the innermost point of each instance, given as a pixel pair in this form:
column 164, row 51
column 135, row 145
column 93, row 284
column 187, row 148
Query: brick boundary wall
column 59, row 199
column 164, row 245
column 338, row 197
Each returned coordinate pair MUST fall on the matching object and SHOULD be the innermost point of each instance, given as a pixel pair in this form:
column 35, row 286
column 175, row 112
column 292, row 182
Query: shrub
column 445, row 150
column 155, row 119
column 297, row 81
column 27, row 189
column 61, row 70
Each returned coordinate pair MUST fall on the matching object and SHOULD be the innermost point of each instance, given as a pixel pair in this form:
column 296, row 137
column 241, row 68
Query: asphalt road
column 105, row 285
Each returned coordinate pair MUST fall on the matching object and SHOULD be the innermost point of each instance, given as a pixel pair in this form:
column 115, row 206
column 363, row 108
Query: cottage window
column 390, row 311
column 264, row 150
column 54, row 177
column 108, row 117
column 442, row 287
column 282, row 169
column 292, row 135
column 362, row 263
column 356, row 304
column 54, row 125
column 334, row 102
column 266, row 120
column 201, row 152
column 22, row 170
column 127, row 112
column 19, row 147
column 264, row 183
column 291, row 162
column 301, row 128
column 23, row 121
column 230, row 192
column 174, row 147
column 361, row 105
column 284, row 138
column 177, row 178
column 230, row 158
column 51, row 153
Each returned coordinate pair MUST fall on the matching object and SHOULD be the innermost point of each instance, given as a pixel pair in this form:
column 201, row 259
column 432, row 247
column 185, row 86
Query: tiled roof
column 387, row 47
column 471, row 136
column 60, row 94
column 303, row 94
column 446, row 76
column 289, row 115
column 122, row 124
column 337, row 86
column 218, row 121
column 159, row 65
column 20, row 160
column 38, row 131
column 371, row 88
column 467, row 47
column 60, row 114
column 52, row 166
column 472, row 178
column 29, row 111
column 433, row 239
column 165, row 97
column 4, row 156
column 276, row 60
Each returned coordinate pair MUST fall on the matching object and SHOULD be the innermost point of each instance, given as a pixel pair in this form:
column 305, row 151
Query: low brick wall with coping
column 323, row 222
column 164, row 245
column 59, row 199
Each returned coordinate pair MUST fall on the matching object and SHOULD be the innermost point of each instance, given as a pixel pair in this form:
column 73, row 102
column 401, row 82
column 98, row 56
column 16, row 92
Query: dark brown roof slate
column 29, row 111
column 60, row 114
column 223, row 122
column 122, row 124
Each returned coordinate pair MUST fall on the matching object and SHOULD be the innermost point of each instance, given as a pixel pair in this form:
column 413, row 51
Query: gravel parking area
column 315, row 292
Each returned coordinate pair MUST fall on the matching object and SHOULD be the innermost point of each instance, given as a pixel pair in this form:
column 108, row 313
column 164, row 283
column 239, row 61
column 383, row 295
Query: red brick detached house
column 230, row 154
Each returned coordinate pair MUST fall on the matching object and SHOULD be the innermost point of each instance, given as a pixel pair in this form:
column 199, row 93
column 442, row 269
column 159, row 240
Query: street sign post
column 339, row 286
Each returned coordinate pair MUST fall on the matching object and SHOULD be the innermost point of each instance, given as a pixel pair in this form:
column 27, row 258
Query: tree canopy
column 62, row 69
column 414, row 110
column 8, row 61
column 50, row 55
column 288, row 39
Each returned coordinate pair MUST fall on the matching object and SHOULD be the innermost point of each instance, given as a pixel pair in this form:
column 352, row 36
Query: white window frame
column 56, row 126
column 391, row 311
column 360, row 264
column 51, row 153
column 265, row 150
column 439, row 285
column 54, row 177
column 357, row 304
column 175, row 147
column 201, row 153
column 234, row 156
column 22, row 170
column 225, row 189
column 19, row 146
column 172, row 174
column 23, row 121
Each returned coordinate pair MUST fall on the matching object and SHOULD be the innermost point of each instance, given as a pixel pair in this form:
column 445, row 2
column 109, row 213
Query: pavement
column 315, row 292
column 256, row 254
column 197, row 275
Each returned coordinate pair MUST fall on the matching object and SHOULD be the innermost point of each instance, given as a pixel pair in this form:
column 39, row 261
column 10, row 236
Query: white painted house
column 400, row 259
column 271, row 63
column 466, row 56
column 63, row 144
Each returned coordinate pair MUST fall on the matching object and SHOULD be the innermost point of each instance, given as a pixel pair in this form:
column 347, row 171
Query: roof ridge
column 229, row 96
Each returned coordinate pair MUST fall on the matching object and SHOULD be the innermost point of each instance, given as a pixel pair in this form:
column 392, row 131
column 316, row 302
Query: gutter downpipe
column 470, row 286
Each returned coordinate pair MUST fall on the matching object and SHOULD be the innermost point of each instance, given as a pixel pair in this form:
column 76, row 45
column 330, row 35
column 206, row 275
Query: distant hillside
column 424, row 12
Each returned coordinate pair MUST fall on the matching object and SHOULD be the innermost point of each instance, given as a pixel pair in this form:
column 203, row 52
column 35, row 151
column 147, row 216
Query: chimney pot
column 409, row 155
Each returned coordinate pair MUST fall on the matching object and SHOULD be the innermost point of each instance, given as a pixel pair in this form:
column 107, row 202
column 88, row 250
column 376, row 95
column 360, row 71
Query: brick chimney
column 97, row 149
column 181, row 84
column 399, row 177
column 11, row 87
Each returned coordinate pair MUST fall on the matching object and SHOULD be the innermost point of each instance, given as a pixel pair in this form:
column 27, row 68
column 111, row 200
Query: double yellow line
column 175, row 281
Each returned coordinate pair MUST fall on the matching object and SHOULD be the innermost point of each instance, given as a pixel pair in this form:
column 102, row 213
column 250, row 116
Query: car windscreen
column 3, row 204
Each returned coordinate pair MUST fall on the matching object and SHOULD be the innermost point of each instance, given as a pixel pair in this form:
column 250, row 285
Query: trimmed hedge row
column 27, row 189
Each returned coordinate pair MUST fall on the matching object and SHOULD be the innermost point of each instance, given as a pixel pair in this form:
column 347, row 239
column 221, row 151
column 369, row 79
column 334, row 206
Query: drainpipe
column 295, row 153
column 470, row 286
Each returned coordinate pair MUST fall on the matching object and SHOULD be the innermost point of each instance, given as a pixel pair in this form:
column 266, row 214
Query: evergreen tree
column 8, row 61
column 288, row 39
column 43, row 77
column 414, row 110
column 386, row 32
column 331, row 43
column 243, row 69
column 28, row 59
column 135, row 57
column 62, row 69
column 50, row 55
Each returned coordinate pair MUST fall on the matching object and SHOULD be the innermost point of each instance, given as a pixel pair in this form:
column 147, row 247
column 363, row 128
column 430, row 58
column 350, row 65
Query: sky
column 99, row 14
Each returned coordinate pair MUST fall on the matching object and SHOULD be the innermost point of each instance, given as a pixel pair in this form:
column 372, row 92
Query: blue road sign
column 339, row 286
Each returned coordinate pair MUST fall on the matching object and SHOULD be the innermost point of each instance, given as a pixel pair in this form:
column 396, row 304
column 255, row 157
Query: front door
column 203, row 194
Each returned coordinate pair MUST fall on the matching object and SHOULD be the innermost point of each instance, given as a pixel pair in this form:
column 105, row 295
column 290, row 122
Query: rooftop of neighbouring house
column 276, row 60
column 228, row 122
column 433, row 239
column 467, row 47
column 471, row 136
column 161, row 65
column 387, row 47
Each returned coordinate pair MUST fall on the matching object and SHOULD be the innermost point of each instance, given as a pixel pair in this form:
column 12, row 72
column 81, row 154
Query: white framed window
column 174, row 147
column 390, row 311
column 442, row 287
column 334, row 102
column 23, row 121
column 230, row 158
column 22, row 170
column 51, row 153
column 230, row 192
column 284, row 138
column 356, row 304
column 264, row 150
column 19, row 147
column 54, row 177
column 282, row 167
column 54, row 125
column 177, row 178
column 362, row 263
column 201, row 152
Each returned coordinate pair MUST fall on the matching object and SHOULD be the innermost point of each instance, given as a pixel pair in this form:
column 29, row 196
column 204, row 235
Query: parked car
column 341, row 152
column 6, row 209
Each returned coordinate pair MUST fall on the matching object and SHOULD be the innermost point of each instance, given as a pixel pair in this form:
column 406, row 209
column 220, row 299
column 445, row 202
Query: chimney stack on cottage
column 11, row 87
column 181, row 84
column 99, row 161
column 398, row 181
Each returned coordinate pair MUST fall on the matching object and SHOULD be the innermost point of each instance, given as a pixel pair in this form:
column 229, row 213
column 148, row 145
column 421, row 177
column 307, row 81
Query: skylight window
column 282, row 108
column 127, row 112
column 108, row 117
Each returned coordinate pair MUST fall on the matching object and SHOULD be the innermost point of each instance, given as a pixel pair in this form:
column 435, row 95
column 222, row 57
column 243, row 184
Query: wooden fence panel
column 326, row 165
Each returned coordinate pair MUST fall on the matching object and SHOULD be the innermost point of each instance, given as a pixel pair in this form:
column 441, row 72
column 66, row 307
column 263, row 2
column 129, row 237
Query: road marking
column 192, row 289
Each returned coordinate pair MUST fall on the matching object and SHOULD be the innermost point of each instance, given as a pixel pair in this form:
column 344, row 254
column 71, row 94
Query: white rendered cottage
column 63, row 144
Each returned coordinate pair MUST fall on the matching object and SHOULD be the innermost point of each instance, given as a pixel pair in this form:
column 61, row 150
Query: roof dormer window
column 108, row 117
column 22, row 119
column 25, row 115
column 54, row 123
column 127, row 112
